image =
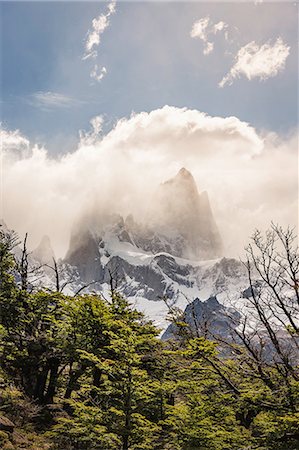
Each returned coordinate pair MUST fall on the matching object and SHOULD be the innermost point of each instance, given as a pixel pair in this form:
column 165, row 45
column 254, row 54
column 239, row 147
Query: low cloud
column 261, row 62
column 243, row 171
column 12, row 141
column 203, row 28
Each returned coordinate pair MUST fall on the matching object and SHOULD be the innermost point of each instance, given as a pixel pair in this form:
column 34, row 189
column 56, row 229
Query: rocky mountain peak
column 44, row 252
column 181, row 213
column 182, row 186
column 184, row 175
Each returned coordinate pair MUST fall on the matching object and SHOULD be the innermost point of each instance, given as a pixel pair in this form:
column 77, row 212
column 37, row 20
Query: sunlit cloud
column 99, row 25
column 254, row 61
column 93, row 40
column 242, row 170
column 203, row 28
column 90, row 137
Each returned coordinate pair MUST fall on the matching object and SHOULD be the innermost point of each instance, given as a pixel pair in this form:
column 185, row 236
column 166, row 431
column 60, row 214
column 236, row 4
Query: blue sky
column 151, row 60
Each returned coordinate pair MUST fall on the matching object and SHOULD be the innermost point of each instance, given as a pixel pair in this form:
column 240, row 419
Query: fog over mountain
column 179, row 222
column 243, row 170
column 178, row 209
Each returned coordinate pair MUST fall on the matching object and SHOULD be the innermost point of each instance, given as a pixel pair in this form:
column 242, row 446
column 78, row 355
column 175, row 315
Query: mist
column 251, row 176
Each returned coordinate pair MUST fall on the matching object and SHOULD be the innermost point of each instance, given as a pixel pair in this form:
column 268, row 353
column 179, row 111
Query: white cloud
column 243, row 171
column 49, row 100
column 199, row 28
column 209, row 47
column 254, row 61
column 13, row 140
column 219, row 26
column 99, row 25
column 93, row 40
column 203, row 28
column 90, row 137
column 98, row 73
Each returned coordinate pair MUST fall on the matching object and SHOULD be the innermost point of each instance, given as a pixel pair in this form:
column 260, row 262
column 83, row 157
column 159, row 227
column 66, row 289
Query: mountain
column 184, row 217
column 171, row 259
column 174, row 255
column 84, row 254
column 210, row 319
column 179, row 222
column 44, row 252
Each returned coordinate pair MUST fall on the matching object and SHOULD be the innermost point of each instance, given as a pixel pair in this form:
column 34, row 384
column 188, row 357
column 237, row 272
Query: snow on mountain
column 209, row 319
column 175, row 255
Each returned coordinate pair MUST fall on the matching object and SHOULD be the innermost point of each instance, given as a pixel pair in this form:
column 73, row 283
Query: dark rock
column 210, row 319
column 84, row 254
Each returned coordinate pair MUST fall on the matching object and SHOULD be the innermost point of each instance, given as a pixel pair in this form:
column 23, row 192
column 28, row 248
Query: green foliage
column 83, row 373
column 84, row 430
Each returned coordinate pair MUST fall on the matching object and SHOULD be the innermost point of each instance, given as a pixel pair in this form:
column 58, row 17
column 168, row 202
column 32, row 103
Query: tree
column 98, row 369
column 259, row 372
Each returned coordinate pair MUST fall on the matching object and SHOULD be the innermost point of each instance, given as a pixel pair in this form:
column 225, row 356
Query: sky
column 139, row 89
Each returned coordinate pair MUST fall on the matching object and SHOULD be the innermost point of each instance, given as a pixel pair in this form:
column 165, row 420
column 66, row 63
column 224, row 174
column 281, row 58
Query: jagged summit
column 181, row 213
column 184, row 172
column 180, row 223
column 44, row 252
column 184, row 175
column 183, row 179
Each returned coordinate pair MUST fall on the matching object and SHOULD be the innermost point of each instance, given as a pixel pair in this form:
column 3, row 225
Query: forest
column 84, row 372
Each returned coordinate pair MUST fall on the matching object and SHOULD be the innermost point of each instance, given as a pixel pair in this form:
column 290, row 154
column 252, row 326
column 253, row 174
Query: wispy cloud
column 203, row 28
column 49, row 100
column 254, row 61
column 93, row 40
column 98, row 73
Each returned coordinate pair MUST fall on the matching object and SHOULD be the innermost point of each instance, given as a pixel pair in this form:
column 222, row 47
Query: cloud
column 254, row 61
column 219, row 26
column 203, row 28
column 98, row 73
column 90, row 137
column 99, row 25
column 12, row 141
column 93, row 40
column 49, row 100
column 243, row 171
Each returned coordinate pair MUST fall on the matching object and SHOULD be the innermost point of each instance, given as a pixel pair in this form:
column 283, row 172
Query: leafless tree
column 273, row 272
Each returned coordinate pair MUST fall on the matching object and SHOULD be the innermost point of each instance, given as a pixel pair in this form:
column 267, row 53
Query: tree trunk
column 54, row 366
column 40, row 386
column 128, row 412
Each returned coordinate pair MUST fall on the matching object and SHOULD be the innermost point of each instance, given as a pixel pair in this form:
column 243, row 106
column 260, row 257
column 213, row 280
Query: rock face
column 44, row 253
column 84, row 254
column 174, row 254
column 179, row 222
column 209, row 319
column 184, row 218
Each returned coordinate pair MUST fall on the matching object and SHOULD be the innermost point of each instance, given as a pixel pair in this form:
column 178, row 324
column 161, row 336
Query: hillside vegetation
column 84, row 372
